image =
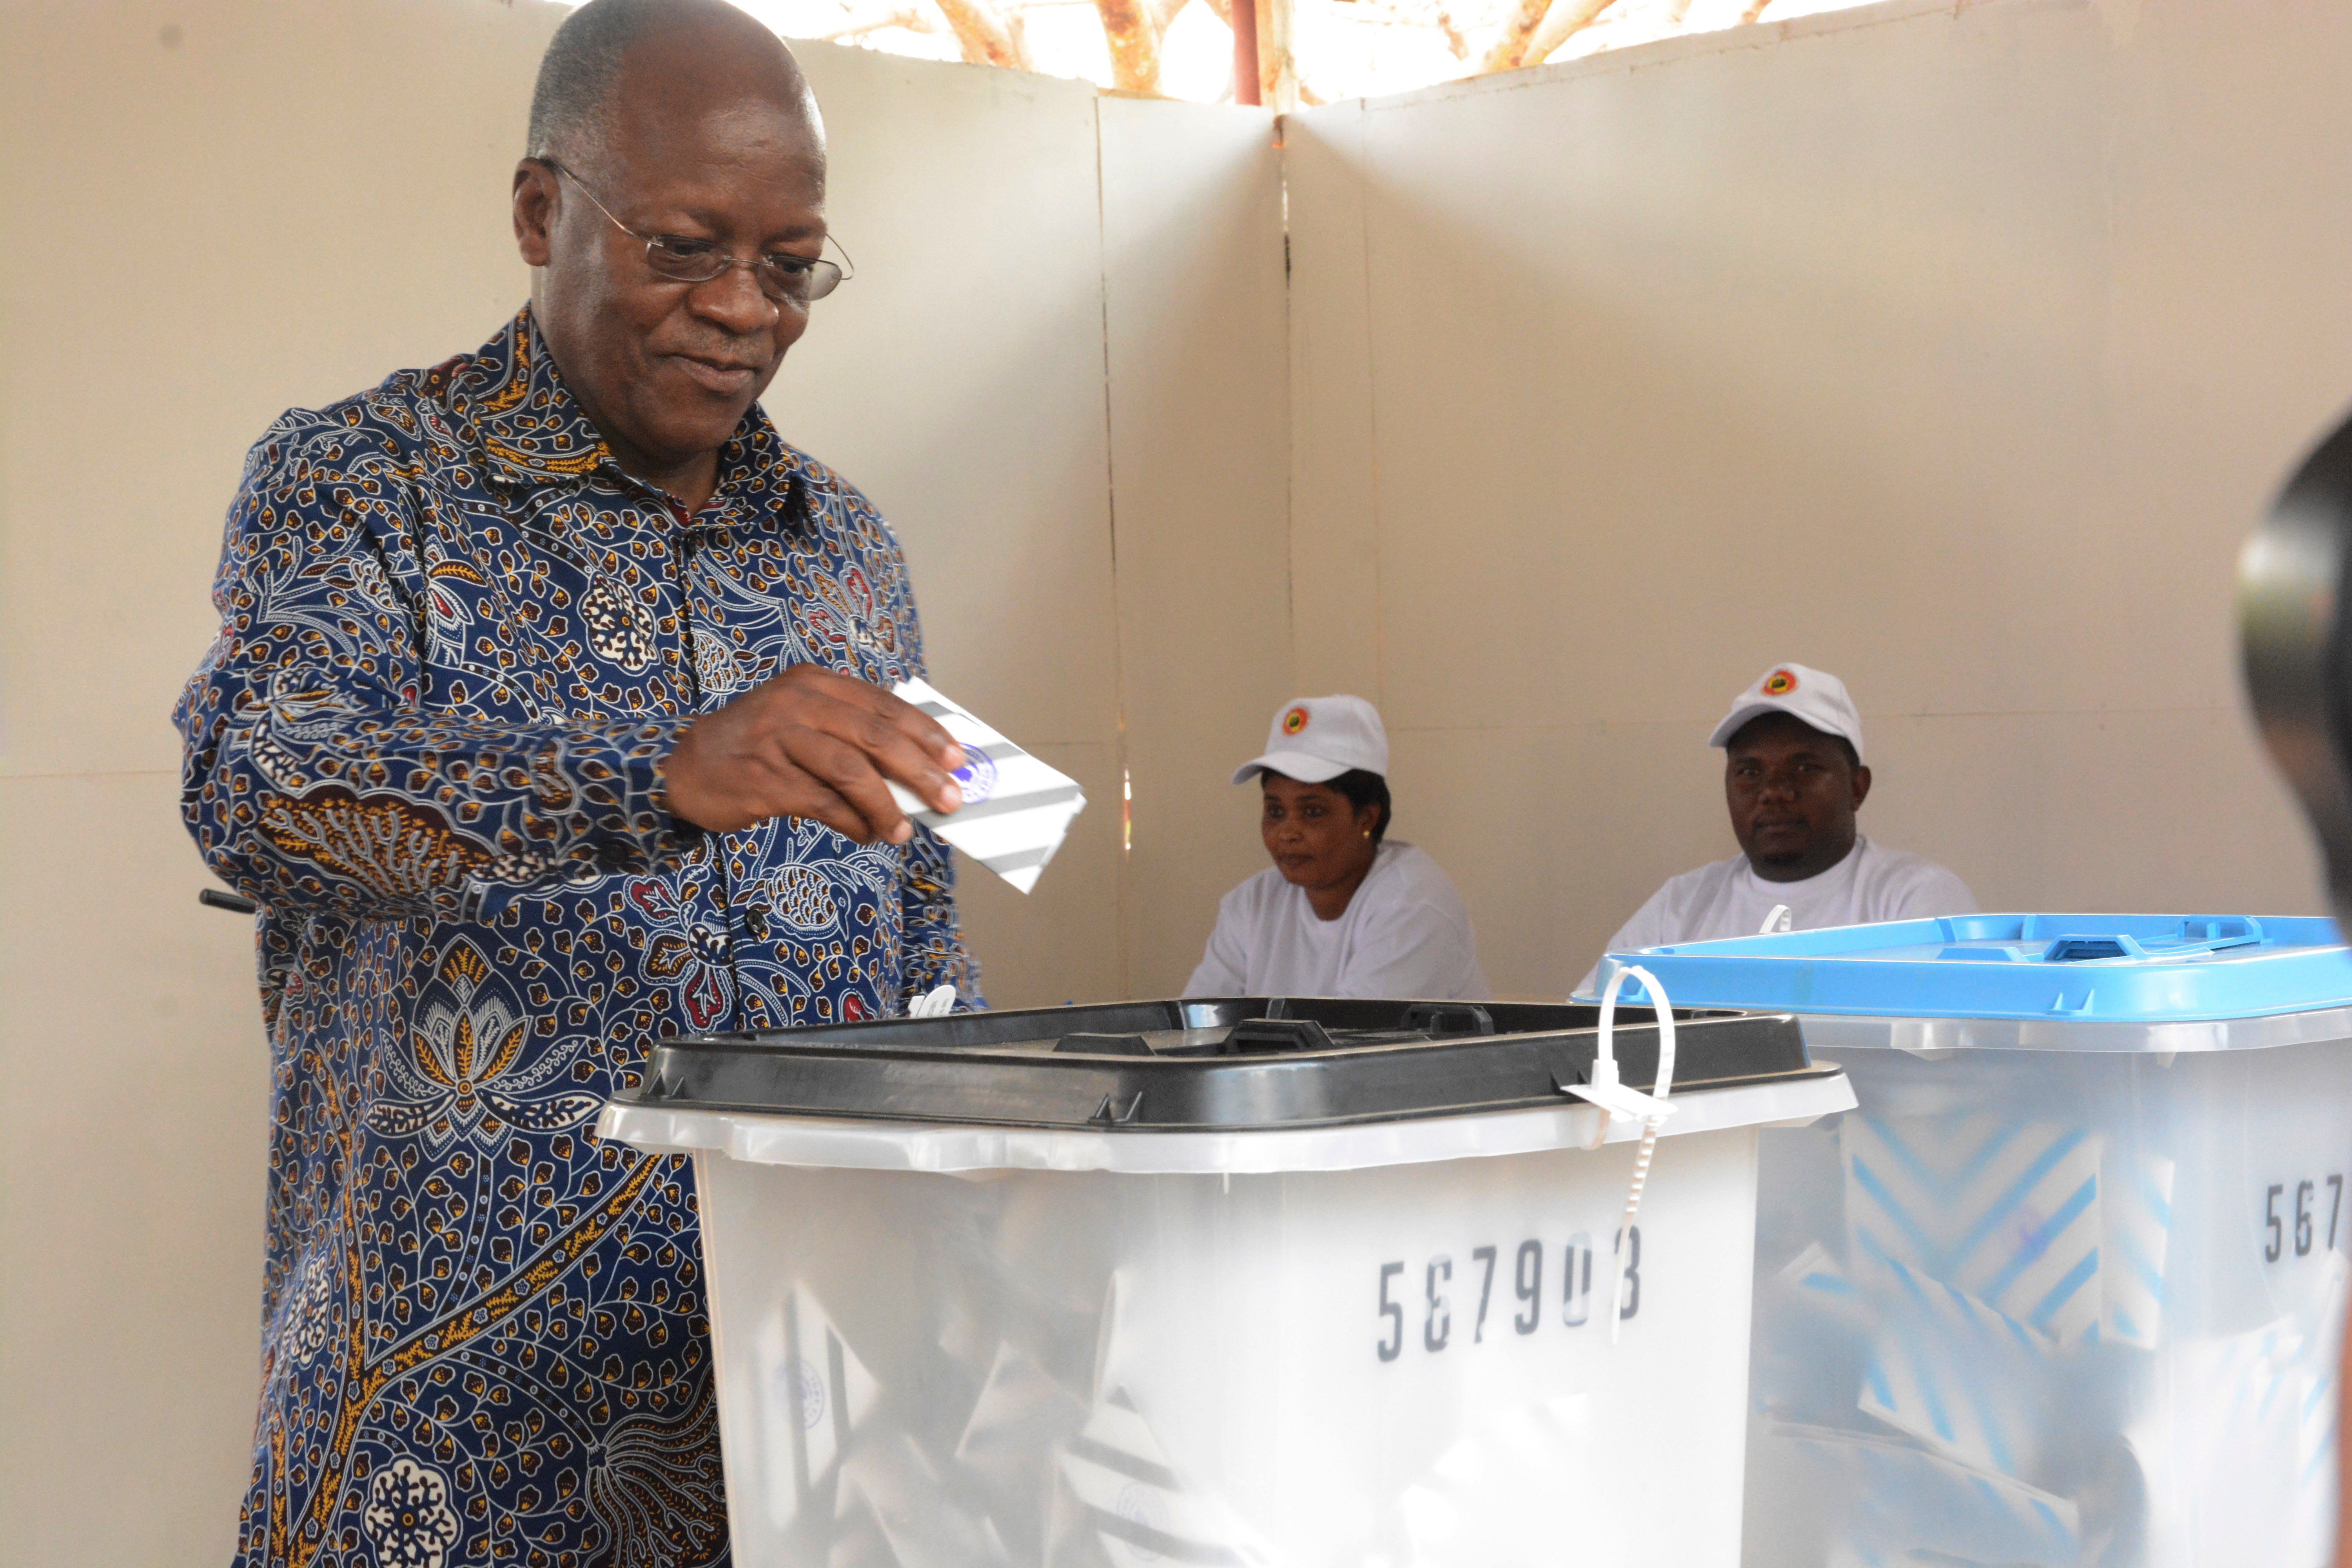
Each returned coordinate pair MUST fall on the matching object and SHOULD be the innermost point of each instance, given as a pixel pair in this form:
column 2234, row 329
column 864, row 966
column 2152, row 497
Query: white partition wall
column 1953, row 349
column 1950, row 347
column 1200, row 452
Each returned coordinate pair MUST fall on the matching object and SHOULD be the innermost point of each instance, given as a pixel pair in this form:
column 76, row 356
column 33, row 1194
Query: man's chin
column 684, row 433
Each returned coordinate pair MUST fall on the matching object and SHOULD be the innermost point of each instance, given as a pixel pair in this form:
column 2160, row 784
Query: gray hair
column 573, row 95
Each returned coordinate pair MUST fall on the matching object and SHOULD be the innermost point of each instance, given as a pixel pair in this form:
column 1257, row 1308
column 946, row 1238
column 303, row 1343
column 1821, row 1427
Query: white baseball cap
column 1316, row 739
column 1817, row 698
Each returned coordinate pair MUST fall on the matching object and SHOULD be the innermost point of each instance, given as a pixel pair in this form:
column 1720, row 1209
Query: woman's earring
column 1368, row 833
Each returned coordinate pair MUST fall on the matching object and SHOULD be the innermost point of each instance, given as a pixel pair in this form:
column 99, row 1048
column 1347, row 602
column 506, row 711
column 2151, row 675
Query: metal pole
column 1244, row 13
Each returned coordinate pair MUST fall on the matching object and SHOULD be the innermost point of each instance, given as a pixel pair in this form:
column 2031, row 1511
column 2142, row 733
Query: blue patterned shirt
column 457, row 645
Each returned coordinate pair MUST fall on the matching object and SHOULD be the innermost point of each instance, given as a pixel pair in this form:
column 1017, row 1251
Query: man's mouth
column 719, row 375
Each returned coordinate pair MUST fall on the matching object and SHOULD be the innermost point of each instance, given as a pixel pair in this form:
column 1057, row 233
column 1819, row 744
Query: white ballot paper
column 1015, row 808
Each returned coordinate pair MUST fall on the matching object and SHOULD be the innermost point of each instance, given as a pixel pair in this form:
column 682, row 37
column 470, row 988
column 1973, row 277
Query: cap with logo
column 1316, row 739
column 1818, row 698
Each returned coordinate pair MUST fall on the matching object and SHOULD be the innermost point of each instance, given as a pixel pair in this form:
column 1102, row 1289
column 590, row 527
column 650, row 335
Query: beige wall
column 218, row 209
column 1952, row 349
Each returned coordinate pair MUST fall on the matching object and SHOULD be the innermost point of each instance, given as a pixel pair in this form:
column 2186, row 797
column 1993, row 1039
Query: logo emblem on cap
column 1294, row 722
column 1779, row 683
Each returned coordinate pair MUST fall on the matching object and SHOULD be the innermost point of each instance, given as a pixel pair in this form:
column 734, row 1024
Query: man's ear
column 534, row 210
column 1861, row 786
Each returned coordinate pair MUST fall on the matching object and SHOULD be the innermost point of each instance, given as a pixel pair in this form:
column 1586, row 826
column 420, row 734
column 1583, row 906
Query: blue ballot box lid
column 2048, row 968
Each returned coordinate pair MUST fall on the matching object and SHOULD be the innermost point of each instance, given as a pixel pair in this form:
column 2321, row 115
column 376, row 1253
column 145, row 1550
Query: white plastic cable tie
column 1606, row 1089
column 1651, row 1108
column 935, row 1003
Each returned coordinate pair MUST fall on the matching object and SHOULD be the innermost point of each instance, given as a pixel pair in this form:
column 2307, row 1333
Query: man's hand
column 817, row 744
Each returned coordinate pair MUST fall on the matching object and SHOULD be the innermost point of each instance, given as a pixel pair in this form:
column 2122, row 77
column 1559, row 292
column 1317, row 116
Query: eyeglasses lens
column 779, row 280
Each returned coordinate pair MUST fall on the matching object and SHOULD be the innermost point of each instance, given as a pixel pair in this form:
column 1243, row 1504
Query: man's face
column 698, row 148
column 1793, row 794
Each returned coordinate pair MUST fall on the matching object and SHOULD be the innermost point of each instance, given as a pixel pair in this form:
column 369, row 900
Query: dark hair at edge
column 583, row 61
column 1853, row 757
column 1362, row 787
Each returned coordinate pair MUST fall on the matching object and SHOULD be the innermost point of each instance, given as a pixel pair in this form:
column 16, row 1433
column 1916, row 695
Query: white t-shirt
column 1728, row 899
column 1405, row 933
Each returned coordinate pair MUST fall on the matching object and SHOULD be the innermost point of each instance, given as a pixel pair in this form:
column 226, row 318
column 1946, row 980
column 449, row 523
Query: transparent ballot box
column 1257, row 1280
column 2068, row 1286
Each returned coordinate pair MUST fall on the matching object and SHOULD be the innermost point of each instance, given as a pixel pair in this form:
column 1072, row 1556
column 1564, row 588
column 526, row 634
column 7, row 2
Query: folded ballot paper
column 1015, row 808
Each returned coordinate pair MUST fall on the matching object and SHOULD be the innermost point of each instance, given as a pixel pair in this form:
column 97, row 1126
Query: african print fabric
column 457, row 645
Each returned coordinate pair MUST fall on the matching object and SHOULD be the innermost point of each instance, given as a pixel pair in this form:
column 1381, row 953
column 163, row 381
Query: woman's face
column 1315, row 834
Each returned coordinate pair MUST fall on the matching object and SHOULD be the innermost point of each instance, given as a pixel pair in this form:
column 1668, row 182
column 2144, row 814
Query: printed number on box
column 1425, row 1317
column 2292, row 1226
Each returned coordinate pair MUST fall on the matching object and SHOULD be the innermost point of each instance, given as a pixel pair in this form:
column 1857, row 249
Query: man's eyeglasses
column 783, row 277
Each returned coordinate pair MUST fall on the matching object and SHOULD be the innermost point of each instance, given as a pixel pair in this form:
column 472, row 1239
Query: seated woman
column 1343, row 911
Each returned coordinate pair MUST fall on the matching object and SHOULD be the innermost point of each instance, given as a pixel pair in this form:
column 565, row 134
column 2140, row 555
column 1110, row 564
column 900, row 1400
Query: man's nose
column 1778, row 786
column 733, row 301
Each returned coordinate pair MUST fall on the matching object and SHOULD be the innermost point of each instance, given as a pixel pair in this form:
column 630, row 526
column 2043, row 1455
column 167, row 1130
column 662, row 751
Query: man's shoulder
column 833, row 502
column 1899, row 877
column 1699, row 880
column 499, row 403
column 821, row 477
column 394, row 420
column 1881, row 862
column 1665, row 916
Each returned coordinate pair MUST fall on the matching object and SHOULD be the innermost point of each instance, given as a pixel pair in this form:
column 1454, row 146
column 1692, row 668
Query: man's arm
column 313, row 775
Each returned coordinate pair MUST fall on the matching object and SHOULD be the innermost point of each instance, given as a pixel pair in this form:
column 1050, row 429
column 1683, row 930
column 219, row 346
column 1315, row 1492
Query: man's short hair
column 577, row 73
column 575, row 92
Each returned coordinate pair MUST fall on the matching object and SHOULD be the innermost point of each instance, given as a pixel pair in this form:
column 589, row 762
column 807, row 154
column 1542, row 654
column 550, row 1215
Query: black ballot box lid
column 1213, row 1063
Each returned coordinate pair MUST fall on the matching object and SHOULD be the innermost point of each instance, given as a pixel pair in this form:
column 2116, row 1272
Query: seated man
column 1793, row 777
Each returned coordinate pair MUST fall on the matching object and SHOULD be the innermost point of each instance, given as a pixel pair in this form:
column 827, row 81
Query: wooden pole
column 1537, row 27
column 983, row 35
column 1133, row 34
column 1277, row 69
column 1244, row 18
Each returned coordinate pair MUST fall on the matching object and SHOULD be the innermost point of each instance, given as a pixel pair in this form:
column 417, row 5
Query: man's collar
column 512, row 399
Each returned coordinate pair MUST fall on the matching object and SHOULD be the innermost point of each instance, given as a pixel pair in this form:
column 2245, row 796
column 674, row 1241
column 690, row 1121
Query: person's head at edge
column 686, row 119
column 1792, row 774
column 1324, row 793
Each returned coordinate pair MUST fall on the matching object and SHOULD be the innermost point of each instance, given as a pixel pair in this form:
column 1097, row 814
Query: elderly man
column 1793, row 777
column 550, row 717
